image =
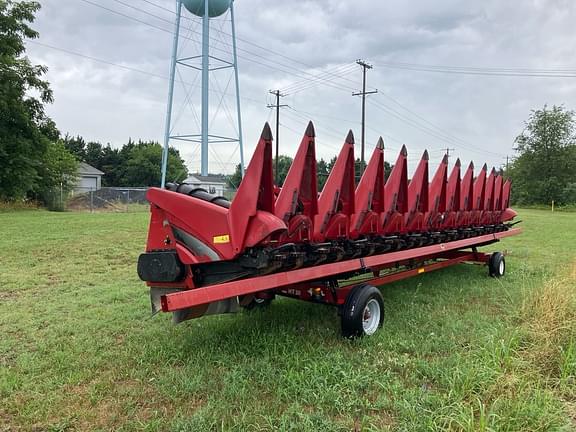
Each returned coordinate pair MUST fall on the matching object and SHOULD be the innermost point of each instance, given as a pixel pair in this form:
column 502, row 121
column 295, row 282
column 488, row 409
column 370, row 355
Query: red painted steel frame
column 212, row 293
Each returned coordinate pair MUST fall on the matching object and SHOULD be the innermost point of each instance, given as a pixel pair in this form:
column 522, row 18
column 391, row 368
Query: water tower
column 204, row 63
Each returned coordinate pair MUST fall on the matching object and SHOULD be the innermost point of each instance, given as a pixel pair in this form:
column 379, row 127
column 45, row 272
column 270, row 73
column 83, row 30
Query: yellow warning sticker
column 420, row 270
column 222, row 239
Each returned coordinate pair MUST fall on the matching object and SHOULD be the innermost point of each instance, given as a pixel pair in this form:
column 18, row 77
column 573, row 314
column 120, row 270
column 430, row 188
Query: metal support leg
column 205, row 86
column 171, row 92
column 240, row 142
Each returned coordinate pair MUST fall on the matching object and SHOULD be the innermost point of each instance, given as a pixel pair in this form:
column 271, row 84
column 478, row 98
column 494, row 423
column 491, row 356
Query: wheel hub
column 371, row 317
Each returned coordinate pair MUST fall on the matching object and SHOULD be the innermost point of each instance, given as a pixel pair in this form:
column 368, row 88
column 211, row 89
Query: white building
column 214, row 184
column 89, row 178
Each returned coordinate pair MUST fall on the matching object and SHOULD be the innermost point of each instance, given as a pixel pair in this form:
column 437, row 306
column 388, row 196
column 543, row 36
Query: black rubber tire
column 497, row 265
column 352, row 313
column 256, row 303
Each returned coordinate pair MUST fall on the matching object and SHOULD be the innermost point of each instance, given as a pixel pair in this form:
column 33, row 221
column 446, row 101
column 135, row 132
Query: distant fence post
column 91, row 201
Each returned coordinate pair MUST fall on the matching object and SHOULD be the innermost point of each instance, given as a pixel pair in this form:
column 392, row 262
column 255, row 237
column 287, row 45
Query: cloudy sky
column 449, row 74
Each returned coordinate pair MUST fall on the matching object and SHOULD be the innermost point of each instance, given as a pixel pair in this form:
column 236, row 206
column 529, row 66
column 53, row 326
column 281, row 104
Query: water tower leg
column 171, row 92
column 205, row 85
column 240, row 142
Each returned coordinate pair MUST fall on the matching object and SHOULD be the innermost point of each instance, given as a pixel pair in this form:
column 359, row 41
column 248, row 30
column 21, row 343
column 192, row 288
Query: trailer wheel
column 363, row 312
column 497, row 265
column 254, row 303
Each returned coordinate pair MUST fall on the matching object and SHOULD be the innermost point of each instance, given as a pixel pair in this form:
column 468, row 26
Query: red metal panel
column 488, row 207
column 297, row 203
column 256, row 192
column 467, row 192
column 466, row 198
column 453, row 196
column 199, row 218
column 489, row 195
column 396, row 195
column 207, row 294
column 369, row 195
column 506, row 194
column 437, row 196
column 336, row 202
column 418, row 196
column 479, row 194
column 498, row 194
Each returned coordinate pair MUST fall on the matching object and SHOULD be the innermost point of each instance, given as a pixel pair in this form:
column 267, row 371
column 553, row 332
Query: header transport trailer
column 207, row 255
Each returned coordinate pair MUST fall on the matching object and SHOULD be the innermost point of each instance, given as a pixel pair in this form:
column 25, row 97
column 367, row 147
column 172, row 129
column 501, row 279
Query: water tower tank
column 215, row 7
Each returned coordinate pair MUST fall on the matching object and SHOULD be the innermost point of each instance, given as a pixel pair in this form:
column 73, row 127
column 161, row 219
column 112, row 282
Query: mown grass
column 459, row 350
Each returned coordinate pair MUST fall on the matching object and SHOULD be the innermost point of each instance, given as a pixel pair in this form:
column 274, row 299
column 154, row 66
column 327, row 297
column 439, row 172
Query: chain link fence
column 120, row 199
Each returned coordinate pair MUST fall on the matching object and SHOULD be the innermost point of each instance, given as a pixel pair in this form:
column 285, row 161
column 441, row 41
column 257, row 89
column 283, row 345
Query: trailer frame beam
column 316, row 276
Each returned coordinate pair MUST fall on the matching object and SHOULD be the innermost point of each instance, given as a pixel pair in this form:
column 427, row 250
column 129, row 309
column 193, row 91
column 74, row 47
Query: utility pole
column 277, row 106
column 507, row 166
column 448, row 150
column 363, row 93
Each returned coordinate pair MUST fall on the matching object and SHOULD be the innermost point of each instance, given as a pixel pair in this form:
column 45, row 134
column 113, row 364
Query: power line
column 170, row 10
column 276, row 53
column 261, row 62
column 336, row 73
column 466, row 70
column 428, row 130
column 320, row 78
column 110, row 63
column 432, row 125
column 486, row 68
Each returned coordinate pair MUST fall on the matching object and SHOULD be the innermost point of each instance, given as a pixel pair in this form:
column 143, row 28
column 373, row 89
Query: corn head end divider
column 207, row 255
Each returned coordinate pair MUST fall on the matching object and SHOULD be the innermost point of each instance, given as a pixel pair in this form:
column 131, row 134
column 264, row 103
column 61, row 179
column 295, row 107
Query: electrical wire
column 315, row 79
column 485, row 71
column 261, row 62
column 110, row 63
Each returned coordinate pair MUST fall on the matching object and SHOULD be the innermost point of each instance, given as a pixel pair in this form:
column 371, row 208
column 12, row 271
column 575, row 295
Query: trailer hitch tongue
column 157, row 295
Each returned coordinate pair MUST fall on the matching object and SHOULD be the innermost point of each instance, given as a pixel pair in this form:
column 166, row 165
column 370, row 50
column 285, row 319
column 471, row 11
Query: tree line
column 36, row 161
column 544, row 169
column 134, row 164
column 32, row 159
column 323, row 169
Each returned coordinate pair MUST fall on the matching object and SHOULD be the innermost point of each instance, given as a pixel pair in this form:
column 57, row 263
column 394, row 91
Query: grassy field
column 459, row 350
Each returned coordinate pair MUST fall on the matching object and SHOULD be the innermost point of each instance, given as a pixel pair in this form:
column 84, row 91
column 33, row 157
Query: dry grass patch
column 549, row 314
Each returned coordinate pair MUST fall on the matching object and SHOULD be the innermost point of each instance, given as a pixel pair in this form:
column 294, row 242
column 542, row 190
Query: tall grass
column 549, row 316
column 12, row 206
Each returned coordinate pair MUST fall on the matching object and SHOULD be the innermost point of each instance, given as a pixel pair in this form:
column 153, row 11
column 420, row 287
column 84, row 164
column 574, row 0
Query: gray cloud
column 110, row 104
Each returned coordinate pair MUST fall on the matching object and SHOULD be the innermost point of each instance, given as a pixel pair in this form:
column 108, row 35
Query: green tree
column 58, row 172
column 94, row 153
column 112, row 164
column 234, row 179
column 76, row 146
column 322, row 171
column 25, row 130
column 546, row 161
column 284, row 163
column 143, row 165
